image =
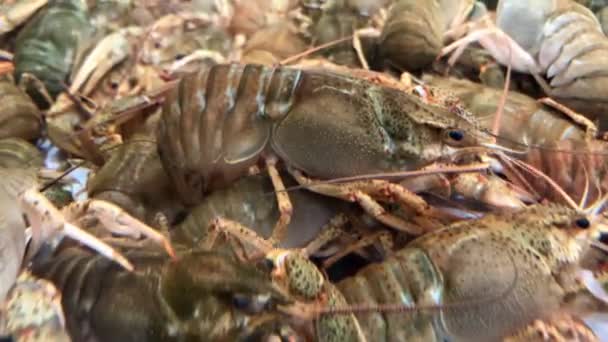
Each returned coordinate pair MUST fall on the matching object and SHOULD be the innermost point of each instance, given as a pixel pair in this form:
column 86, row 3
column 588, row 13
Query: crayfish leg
column 283, row 201
column 384, row 237
column 360, row 192
column 331, row 230
column 358, row 46
column 562, row 327
column 590, row 128
column 242, row 233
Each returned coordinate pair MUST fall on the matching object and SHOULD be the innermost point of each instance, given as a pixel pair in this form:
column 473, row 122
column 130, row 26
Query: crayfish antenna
column 399, row 175
column 534, row 171
column 596, row 208
column 312, row 50
column 503, row 97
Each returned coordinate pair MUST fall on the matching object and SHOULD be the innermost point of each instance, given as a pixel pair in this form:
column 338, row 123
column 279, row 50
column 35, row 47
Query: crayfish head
column 557, row 233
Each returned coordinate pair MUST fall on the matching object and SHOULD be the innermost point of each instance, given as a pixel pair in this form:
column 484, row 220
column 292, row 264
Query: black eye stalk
column 582, row 223
column 269, row 264
column 604, row 238
column 241, row 302
column 456, row 135
column 251, row 303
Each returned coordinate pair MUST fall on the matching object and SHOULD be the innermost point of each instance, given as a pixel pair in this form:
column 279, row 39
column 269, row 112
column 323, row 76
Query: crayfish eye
column 269, row 264
column 582, row 223
column 456, row 135
column 253, row 304
column 240, row 302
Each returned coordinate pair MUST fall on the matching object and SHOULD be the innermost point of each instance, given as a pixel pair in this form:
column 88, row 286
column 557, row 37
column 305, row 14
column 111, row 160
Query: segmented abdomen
column 411, row 279
column 569, row 46
column 217, row 122
column 412, row 36
column 18, row 153
column 462, row 283
column 19, row 116
column 104, row 303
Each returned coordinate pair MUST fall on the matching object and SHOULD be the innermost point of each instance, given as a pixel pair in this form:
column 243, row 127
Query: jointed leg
column 242, row 233
column 283, row 202
column 366, row 32
column 362, row 192
column 333, row 229
column 561, row 327
column 383, row 237
column 590, row 128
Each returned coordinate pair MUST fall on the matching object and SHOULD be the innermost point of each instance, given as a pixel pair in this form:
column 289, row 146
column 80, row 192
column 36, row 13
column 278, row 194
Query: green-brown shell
column 336, row 327
column 304, row 277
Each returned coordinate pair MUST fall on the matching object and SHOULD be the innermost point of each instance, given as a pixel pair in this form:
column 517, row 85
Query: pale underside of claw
column 198, row 55
column 47, row 221
column 110, row 51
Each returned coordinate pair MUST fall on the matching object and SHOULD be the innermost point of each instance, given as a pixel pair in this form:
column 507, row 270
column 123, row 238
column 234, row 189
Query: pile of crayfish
column 303, row 170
